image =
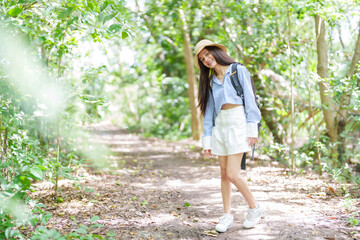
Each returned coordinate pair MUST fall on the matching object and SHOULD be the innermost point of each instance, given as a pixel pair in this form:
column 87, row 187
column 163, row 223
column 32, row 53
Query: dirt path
column 157, row 189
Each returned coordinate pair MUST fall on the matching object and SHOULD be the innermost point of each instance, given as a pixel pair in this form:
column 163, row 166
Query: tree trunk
column 329, row 108
column 196, row 125
column 356, row 57
column 345, row 101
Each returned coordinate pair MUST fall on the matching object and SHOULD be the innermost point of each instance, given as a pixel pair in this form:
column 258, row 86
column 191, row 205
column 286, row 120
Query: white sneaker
column 253, row 217
column 225, row 223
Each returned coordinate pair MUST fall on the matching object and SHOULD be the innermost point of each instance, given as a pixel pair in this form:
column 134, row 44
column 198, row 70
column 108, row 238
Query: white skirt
column 229, row 133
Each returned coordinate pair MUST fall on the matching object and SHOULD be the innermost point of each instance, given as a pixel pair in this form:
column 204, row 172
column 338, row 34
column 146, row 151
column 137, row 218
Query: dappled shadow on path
column 156, row 189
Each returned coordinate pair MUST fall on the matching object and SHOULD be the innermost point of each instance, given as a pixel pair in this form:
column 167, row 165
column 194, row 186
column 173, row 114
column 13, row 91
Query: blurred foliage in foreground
column 141, row 84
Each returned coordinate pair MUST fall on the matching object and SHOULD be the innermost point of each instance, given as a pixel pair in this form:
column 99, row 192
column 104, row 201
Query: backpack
column 240, row 92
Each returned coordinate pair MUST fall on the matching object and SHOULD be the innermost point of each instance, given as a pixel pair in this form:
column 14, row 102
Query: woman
column 229, row 128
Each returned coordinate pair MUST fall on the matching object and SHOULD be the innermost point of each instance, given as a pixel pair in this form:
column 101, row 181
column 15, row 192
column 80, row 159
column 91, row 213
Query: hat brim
column 196, row 59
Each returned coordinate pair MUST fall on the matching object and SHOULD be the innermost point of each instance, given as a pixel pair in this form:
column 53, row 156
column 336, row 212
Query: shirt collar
column 217, row 81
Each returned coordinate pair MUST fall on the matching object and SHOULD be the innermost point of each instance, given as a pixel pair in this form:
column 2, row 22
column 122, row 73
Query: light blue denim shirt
column 225, row 93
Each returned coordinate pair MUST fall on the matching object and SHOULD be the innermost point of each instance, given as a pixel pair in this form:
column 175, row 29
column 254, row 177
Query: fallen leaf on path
column 212, row 233
column 332, row 218
column 332, row 190
column 264, row 181
column 308, row 196
column 329, row 238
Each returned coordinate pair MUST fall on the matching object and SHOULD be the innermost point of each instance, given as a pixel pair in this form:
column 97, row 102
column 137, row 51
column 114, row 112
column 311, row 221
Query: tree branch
column 26, row 7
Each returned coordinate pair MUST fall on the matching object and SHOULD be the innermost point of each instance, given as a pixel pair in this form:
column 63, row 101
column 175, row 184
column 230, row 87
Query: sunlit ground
column 145, row 191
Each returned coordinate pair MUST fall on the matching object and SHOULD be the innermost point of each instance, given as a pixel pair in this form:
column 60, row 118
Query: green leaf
column 90, row 5
column 111, row 234
column 65, row 13
column 37, row 173
column 102, row 8
column 144, row 203
column 84, row 227
column 114, row 28
column 24, row 180
column 40, row 205
column 97, row 236
column 7, row 232
column 14, row 11
column 186, row 204
column 14, row 233
column 87, row 189
column 108, row 17
column 97, row 226
column 81, row 230
column 124, row 35
column 94, row 218
column 353, row 222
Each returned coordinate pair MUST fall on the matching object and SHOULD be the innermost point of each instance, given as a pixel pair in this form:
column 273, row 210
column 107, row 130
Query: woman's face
column 206, row 58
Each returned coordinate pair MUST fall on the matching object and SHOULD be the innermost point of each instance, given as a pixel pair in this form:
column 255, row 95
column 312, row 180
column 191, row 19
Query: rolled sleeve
column 252, row 130
column 206, row 141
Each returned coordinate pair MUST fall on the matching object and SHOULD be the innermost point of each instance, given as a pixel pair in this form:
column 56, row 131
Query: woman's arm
column 208, row 122
column 253, row 115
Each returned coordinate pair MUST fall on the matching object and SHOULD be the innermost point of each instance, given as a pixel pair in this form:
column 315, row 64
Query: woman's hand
column 207, row 153
column 251, row 141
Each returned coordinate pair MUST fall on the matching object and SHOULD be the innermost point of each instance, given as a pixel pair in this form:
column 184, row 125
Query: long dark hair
column 206, row 74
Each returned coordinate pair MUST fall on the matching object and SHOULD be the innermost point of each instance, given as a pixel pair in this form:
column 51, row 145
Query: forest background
column 67, row 64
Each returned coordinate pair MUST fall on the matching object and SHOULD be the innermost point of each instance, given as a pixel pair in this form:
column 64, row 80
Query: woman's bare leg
column 225, row 184
column 233, row 175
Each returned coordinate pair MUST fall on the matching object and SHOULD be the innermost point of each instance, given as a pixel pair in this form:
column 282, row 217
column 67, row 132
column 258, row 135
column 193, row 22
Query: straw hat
column 201, row 45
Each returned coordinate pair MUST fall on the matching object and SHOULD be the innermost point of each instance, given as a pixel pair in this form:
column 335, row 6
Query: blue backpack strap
column 236, row 83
